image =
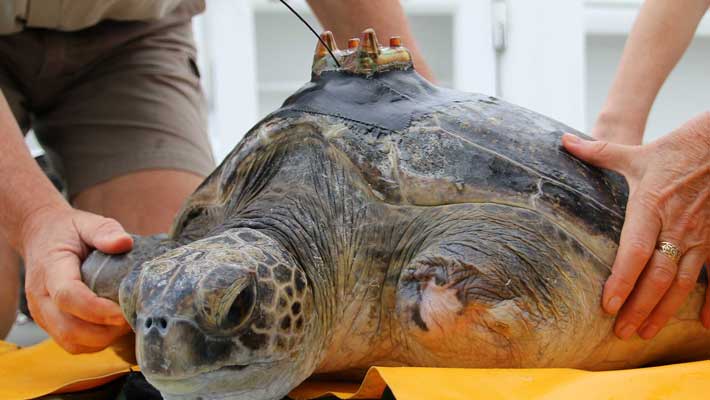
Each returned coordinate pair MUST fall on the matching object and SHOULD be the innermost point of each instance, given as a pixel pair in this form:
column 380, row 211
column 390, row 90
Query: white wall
column 225, row 38
column 543, row 66
column 685, row 94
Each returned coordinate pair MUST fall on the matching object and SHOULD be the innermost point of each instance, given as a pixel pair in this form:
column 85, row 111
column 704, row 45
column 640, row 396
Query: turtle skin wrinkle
column 376, row 219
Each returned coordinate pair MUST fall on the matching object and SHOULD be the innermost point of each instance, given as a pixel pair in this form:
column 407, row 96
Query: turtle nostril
column 161, row 323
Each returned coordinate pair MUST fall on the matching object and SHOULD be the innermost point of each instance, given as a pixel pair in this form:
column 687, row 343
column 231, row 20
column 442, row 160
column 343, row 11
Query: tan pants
column 112, row 99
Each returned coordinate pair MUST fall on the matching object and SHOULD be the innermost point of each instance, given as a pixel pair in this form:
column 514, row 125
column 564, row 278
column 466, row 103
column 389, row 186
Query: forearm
column 25, row 189
column 348, row 18
column 660, row 36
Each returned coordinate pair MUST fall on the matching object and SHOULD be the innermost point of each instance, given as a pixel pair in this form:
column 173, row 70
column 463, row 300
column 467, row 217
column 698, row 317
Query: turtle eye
column 240, row 308
column 226, row 297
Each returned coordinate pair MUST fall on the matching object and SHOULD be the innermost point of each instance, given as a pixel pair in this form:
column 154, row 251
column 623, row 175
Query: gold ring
column 670, row 250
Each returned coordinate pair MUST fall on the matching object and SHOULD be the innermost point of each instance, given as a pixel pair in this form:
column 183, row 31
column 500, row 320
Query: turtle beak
column 160, row 338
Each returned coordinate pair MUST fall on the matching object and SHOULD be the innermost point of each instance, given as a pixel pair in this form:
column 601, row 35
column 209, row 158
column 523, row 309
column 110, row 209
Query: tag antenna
column 312, row 30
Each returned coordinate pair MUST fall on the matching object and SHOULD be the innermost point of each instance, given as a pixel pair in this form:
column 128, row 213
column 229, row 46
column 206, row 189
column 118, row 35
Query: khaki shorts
column 112, row 99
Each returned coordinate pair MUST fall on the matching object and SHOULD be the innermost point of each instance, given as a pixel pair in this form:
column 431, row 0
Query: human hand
column 54, row 242
column 669, row 200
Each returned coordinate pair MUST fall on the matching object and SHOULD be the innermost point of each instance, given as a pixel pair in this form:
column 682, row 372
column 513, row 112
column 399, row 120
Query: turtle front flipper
column 103, row 273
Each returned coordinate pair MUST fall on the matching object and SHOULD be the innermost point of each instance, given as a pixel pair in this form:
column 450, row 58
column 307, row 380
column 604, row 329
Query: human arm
column 348, row 18
column 660, row 36
column 53, row 238
column 669, row 200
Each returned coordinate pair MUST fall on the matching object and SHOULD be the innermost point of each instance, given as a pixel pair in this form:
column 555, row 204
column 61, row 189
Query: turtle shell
column 418, row 144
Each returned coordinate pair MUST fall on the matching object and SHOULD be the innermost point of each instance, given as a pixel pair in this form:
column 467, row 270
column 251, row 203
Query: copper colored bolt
column 327, row 37
column 368, row 42
column 395, row 41
column 353, row 43
column 321, row 51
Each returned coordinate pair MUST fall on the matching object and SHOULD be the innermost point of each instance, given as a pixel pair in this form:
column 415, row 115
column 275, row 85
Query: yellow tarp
column 6, row 348
column 680, row 381
column 45, row 368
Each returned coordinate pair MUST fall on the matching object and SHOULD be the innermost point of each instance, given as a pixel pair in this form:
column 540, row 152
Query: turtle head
column 228, row 315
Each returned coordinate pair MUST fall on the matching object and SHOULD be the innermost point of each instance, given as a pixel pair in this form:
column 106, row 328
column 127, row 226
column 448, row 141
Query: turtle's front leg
column 103, row 273
column 497, row 286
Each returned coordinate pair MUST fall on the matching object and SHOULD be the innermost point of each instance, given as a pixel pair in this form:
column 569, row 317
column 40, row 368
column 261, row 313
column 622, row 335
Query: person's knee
column 144, row 202
column 9, row 288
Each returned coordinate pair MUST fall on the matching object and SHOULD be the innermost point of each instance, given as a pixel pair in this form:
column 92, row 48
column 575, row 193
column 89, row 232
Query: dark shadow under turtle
column 376, row 219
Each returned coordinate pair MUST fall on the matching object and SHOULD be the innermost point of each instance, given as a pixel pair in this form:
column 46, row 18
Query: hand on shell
column 669, row 200
column 55, row 241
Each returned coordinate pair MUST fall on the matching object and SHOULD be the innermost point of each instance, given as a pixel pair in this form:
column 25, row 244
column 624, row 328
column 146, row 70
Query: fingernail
column 648, row 331
column 110, row 235
column 613, row 305
column 114, row 235
column 643, row 326
column 572, row 139
column 627, row 331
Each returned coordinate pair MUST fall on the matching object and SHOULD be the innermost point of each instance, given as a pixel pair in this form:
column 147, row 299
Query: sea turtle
column 377, row 219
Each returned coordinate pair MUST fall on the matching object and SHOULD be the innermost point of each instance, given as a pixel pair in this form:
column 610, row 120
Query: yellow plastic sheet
column 46, row 368
column 6, row 347
column 673, row 382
